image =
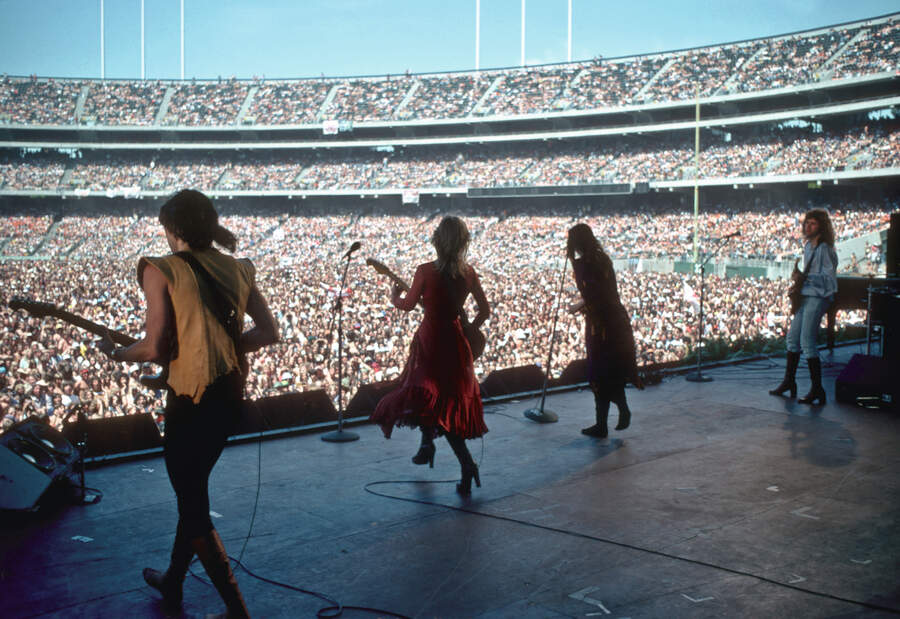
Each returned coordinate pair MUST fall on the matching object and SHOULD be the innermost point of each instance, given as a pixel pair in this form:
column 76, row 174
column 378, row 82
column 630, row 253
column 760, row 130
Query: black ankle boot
column 816, row 393
column 468, row 468
column 789, row 382
column 599, row 429
column 624, row 415
column 425, row 455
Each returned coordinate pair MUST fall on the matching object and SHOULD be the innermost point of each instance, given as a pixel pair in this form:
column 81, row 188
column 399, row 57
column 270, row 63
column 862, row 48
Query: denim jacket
column 822, row 278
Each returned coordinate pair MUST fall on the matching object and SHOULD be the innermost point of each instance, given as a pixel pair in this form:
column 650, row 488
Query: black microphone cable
column 335, row 608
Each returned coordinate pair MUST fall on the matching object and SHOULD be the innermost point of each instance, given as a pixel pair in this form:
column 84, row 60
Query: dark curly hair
column 826, row 230
column 191, row 216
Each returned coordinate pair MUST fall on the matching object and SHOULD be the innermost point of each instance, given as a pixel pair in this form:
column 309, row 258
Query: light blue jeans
column 805, row 326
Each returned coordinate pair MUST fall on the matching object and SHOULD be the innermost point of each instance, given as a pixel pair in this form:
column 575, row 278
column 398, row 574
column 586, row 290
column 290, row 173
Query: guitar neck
column 383, row 269
column 92, row 327
column 83, row 323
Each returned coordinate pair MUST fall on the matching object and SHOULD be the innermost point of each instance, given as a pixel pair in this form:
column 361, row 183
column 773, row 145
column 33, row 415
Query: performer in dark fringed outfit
column 607, row 329
column 438, row 392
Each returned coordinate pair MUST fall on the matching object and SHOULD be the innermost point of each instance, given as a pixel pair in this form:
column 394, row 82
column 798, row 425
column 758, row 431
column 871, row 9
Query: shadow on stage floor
column 719, row 501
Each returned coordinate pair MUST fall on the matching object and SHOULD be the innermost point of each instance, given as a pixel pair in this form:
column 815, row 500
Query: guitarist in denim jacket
column 817, row 293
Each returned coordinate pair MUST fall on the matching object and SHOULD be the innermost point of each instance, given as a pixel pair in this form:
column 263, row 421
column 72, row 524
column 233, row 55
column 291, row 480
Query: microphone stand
column 699, row 376
column 339, row 435
column 539, row 414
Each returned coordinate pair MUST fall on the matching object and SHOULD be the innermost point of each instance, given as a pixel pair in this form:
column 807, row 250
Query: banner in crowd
column 410, row 196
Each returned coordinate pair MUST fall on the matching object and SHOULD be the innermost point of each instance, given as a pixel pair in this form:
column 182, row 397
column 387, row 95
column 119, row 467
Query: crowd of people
column 622, row 159
column 48, row 366
column 656, row 227
column 779, row 62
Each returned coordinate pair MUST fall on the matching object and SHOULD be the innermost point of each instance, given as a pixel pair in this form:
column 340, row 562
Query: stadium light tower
column 143, row 64
column 523, row 34
column 569, row 46
column 477, row 32
column 102, row 46
column 182, row 39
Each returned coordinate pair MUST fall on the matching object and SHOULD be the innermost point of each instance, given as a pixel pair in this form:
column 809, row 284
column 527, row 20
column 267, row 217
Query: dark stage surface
column 719, row 501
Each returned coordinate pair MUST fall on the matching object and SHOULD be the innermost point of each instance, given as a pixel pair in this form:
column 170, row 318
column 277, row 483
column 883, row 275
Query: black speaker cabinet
column 869, row 381
column 512, row 380
column 892, row 257
column 115, row 435
column 32, row 457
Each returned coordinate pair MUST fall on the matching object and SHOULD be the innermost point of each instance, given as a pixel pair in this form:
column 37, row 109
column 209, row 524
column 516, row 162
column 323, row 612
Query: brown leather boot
column 170, row 582
column 211, row 552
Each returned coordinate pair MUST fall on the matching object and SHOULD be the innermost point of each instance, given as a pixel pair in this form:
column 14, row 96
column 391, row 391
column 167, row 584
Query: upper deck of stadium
column 844, row 63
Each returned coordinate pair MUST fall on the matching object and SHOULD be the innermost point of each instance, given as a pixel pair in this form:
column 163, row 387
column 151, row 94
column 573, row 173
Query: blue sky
column 307, row 38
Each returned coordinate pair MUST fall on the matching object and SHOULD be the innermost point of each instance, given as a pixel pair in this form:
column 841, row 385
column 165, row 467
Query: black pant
column 195, row 437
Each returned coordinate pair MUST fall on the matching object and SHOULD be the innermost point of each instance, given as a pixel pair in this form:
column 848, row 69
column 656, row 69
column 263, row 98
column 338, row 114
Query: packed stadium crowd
column 624, row 159
column 46, row 366
column 659, row 226
column 779, row 62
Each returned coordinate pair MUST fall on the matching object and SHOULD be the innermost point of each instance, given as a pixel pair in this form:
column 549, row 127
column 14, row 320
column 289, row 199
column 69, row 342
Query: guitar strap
column 224, row 311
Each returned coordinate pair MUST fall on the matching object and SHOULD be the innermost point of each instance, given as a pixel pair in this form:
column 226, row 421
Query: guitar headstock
column 35, row 308
column 379, row 267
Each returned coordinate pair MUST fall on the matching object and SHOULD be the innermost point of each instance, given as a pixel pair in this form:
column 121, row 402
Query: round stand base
column 541, row 416
column 698, row 377
column 340, row 436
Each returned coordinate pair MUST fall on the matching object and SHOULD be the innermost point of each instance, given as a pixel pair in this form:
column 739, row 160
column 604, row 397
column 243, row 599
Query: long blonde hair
column 451, row 242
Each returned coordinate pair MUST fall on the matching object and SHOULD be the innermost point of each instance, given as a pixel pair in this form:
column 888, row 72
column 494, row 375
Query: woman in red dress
column 438, row 392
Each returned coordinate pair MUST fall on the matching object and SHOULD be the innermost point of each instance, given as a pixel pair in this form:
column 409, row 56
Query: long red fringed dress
column 438, row 390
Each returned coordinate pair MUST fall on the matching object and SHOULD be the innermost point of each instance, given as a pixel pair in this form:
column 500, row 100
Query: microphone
column 356, row 245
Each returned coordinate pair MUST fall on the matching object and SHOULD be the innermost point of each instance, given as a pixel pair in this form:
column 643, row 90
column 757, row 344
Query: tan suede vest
column 205, row 350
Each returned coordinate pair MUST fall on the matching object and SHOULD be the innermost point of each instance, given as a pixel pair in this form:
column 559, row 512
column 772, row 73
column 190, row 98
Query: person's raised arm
column 265, row 328
column 406, row 303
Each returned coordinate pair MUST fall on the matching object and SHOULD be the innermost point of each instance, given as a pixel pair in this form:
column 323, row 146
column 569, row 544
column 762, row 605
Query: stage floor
column 719, row 501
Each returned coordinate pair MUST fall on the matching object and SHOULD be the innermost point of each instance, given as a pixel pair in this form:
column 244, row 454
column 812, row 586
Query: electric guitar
column 40, row 310
column 472, row 334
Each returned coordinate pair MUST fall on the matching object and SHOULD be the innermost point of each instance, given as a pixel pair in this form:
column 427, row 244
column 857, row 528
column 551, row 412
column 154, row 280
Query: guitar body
column 475, row 338
column 472, row 333
column 794, row 292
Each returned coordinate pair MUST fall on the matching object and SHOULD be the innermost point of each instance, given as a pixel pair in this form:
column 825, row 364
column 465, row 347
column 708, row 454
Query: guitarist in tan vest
column 200, row 295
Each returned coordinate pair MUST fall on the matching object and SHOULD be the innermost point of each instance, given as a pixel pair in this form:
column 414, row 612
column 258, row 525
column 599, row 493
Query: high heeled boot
column 170, row 583
column 425, row 455
column 599, row 429
column 211, row 552
column 816, row 393
column 789, row 382
column 624, row 411
column 468, row 468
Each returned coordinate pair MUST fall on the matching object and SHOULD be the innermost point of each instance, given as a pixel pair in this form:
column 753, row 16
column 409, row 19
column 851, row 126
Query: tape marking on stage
column 82, row 538
column 583, row 597
column 802, row 513
column 866, row 562
column 706, row 599
column 796, row 579
column 773, row 489
column 215, row 514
